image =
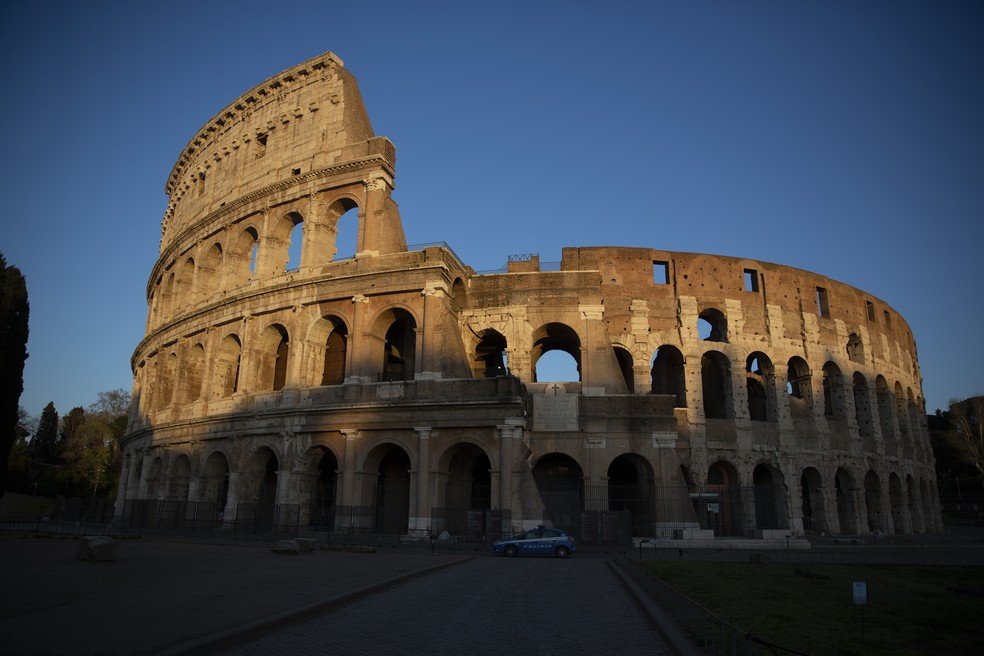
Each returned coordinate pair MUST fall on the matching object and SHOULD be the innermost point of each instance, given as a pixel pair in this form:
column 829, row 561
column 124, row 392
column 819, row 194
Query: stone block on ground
column 304, row 544
column 98, row 548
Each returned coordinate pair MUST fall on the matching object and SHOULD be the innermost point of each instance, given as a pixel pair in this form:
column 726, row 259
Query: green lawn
column 911, row 610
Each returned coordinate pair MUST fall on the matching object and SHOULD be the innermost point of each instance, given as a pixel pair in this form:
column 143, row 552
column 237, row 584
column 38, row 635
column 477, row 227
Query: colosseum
column 287, row 379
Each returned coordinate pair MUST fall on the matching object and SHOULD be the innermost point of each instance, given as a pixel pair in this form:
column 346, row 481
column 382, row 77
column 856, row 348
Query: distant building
column 394, row 389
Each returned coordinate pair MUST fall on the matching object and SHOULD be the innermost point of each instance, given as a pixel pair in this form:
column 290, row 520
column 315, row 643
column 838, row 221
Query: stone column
column 358, row 368
column 232, row 498
column 421, row 518
column 509, row 433
column 427, row 337
column 348, row 497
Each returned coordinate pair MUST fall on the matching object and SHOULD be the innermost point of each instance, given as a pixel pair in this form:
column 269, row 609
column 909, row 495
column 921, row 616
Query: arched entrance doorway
column 323, row 489
column 560, row 482
column 811, row 495
column 468, row 485
column 390, row 466
column 721, row 505
column 769, row 512
column 215, row 482
column 844, row 488
column 630, row 487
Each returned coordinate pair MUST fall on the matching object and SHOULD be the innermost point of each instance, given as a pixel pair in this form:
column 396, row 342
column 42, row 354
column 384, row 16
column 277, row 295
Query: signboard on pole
column 860, row 590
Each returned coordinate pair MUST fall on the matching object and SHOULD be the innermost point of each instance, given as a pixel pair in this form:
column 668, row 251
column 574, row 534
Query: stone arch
column 328, row 340
column 154, row 474
column 209, row 271
column 395, row 344
column 215, row 481
column 896, row 499
column 271, row 358
column 491, row 351
column 669, row 375
column 811, row 496
column 260, row 478
column 322, row 469
column 769, row 492
column 344, row 219
column 712, row 325
column 715, row 375
column 179, row 478
column 386, row 481
column 834, row 405
column 862, row 411
column 463, row 482
column 625, row 365
column 555, row 336
column 560, row 481
column 227, row 360
column 283, row 237
column 886, row 410
column 459, row 296
column 845, row 490
column 760, row 380
column 799, row 386
column 242, row 257
column 724, row 518
column 184, row 284
column 873, row 501
column 631, row 487
column 192, row 371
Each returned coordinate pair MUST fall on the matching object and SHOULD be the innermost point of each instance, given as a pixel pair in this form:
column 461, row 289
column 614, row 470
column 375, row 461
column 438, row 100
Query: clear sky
column 846, row 138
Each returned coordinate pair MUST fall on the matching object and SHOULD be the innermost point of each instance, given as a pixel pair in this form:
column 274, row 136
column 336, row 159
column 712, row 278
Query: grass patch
column 911, row 610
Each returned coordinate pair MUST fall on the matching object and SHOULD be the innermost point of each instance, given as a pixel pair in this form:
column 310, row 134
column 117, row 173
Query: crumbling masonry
column 394, row 389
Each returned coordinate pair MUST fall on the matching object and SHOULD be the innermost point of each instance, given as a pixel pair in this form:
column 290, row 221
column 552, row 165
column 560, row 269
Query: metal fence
column 917, row 555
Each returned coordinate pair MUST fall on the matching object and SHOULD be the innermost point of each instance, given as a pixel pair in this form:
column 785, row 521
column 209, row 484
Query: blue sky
column 841, row 137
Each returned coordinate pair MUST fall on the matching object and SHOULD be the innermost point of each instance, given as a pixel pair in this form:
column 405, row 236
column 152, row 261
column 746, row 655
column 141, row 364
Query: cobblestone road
column 485, row 606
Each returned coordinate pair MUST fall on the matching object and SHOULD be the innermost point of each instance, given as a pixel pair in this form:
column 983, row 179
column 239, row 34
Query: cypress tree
column 44, row 445
column 13, row 352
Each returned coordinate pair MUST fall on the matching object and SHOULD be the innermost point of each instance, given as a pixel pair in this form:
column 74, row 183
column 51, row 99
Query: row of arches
column 259, row 247
column 186, row 375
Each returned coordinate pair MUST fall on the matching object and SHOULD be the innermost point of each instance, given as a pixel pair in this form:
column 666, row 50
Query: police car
column 540, row 540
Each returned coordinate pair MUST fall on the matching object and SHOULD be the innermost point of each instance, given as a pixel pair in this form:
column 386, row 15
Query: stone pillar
column 358, row 367
column 232, row 498
column 148, row 460
column 421, row 519
column 348, row 497
column 510, row 432
column 428, row 337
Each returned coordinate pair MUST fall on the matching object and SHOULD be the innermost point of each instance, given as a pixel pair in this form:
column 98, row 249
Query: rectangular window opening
column 823, row 304
column 871, row 310
column 295, row 171
column 888, row 319
column 661, row 273
column 751, row 280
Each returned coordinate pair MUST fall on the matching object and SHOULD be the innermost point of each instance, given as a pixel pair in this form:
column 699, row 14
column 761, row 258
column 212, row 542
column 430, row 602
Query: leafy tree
column 44, row 446
column 90, row 453
column 966, row 434
column 71, row 423
column 14, row 311
column 113, row 403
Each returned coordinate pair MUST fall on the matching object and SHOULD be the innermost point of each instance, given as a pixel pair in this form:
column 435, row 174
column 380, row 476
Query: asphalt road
column 488, row 605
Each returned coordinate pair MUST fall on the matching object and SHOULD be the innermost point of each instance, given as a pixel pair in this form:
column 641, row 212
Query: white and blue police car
column 539, row 540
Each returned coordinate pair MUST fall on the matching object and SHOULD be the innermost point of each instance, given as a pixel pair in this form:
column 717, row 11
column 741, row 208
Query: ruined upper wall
column 308, row 117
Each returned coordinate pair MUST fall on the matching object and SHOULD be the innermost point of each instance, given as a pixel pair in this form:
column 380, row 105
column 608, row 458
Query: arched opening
column 343, row 220
column 391, row 466
column 855, row 348
column 183, row 285
column 209, row 270
column 243, row 258
column 215, row 484
column 271, row 356
column 624, row 359
column 896, row 502
column 227, row 366
column 399, row 345
column 165, row 380
column 760, row 381
column 468, row 485
column 177, row 484
column 491, row 351
column 912, row 503
column 715, row 375
column 154, row 479
column 259, row 489
column 564, row 346
column 668, row 374
column 833, row 392
column 329, row 340
column 769, row 508
column 560, row 482
column 873, row 500
column 324, row 486
column 722, row 503
column 862, row 411
column 886, row 410
column 844, row 489
column 191, row 374
column 295, row 243
column 811, row 496
column 631, row 488
column 712, row 326
column 799, row 387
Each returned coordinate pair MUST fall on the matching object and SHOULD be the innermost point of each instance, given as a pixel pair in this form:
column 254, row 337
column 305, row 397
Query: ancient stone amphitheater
column 283, row 382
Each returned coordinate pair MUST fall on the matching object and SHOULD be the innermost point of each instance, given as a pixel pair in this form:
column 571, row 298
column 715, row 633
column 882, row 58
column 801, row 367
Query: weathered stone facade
column 395, row 388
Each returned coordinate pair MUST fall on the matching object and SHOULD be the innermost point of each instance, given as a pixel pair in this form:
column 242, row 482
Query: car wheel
column 510, row 550
column 562, row 552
